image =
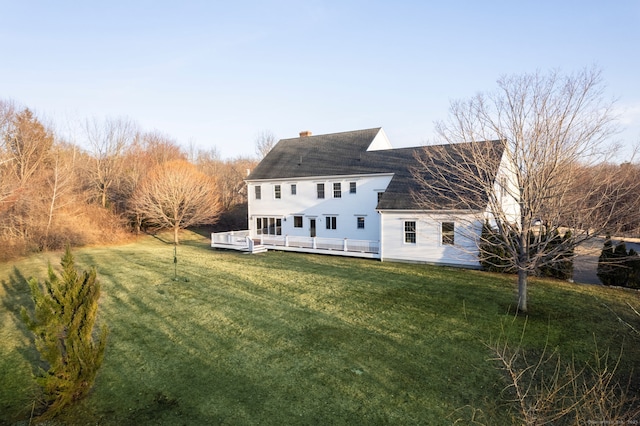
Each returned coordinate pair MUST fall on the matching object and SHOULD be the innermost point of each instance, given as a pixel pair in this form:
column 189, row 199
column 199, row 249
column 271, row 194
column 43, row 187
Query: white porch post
column 344, row 245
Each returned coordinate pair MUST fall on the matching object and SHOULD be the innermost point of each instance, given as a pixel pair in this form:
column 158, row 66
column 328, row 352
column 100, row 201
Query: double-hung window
column 410, row 232
column 320, row 189
column 352, row 187
column 277, row 192
column 360, row 222
column 258, row 192
column 294, row 189
column 337, row 190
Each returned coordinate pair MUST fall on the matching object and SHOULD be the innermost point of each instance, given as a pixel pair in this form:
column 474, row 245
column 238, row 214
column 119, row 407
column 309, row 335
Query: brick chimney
column 305, row 133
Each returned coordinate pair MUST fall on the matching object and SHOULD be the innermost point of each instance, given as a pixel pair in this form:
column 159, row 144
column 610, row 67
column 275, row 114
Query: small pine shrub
column 618, row 267
column 562, row 266
column 605, row 265
column 63, row 322
column 633, row 265
column 493, row 252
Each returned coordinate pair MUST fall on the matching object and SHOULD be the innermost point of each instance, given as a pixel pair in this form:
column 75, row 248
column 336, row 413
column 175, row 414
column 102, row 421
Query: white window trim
column 442, row 243
column 404, row 232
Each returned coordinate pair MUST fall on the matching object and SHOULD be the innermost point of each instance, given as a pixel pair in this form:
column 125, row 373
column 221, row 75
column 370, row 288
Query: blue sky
column 217, row 73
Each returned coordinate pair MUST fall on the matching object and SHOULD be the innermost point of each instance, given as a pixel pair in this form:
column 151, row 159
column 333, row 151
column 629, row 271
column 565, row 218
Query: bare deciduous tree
column 229, row 176
column 617, row 212
column 147, row 151
column 28, row 143
column 26, row 148
column 60, row 182
column 552, row 126
column 175, row 195
column 8, row 184
column 108, row 141
column 264, row 143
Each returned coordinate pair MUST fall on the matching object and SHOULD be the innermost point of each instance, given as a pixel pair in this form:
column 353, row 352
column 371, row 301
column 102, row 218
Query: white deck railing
column 233, row 238
column 241, row 239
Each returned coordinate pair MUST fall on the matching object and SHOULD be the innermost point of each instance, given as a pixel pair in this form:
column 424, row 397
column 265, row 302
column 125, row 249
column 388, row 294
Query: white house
column 350, row 194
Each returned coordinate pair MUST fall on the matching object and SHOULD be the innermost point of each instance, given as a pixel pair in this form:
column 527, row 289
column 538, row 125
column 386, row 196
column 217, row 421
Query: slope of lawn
column 285, row 338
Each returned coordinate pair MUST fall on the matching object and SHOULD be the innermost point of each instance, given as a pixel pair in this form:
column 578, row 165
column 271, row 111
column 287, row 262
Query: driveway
column 585, row 264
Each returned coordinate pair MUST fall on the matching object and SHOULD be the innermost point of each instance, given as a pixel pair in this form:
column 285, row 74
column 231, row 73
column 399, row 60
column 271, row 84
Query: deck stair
column 257, row 248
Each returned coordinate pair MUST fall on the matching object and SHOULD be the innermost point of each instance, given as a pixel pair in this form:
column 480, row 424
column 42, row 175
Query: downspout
column 381, row 233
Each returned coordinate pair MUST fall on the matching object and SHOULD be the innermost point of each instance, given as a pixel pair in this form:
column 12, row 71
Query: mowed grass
column 285, row 338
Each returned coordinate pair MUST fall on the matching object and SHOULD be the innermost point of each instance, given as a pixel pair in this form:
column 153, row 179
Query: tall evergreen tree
column 63, row 322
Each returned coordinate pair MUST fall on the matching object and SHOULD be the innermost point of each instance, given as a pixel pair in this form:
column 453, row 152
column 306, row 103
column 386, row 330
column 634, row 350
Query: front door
column 312, row 227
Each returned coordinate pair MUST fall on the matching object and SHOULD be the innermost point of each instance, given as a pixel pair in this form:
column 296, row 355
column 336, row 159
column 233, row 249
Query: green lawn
column 285, row 338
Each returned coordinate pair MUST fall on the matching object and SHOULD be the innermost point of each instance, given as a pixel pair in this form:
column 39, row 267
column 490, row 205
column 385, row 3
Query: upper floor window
column 277, row 192
column 258, row 192
column 360, row 221
column 410, row 231
column 320, row 188
column 447, row 233
column 503, row 187
column 352, row 187
column 337, row 190
column 332, row 222
column 294, row 189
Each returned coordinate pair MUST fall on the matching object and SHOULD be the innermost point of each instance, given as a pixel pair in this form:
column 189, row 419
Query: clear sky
column 217, row 73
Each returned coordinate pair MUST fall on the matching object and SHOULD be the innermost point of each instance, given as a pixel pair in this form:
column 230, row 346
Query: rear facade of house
column 351, row 194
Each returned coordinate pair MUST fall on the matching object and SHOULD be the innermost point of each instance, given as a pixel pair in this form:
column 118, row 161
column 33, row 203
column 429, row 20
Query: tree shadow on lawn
column 237, row 352
column 185, row 353
column 19, row 391
column 156, row 367
column 18, row 295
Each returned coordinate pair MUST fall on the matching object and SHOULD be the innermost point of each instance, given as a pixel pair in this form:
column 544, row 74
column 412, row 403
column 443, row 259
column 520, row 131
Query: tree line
column 112, row 180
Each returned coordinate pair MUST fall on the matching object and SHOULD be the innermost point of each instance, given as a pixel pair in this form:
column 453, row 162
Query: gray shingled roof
column 346, row 153
column 323, row 155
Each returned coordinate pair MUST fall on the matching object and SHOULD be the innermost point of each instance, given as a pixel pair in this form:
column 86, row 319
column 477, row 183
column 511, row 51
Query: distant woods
column 56, row 191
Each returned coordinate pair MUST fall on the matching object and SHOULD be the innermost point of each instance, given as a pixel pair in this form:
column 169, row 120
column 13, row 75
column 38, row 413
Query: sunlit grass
column 284, row 338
